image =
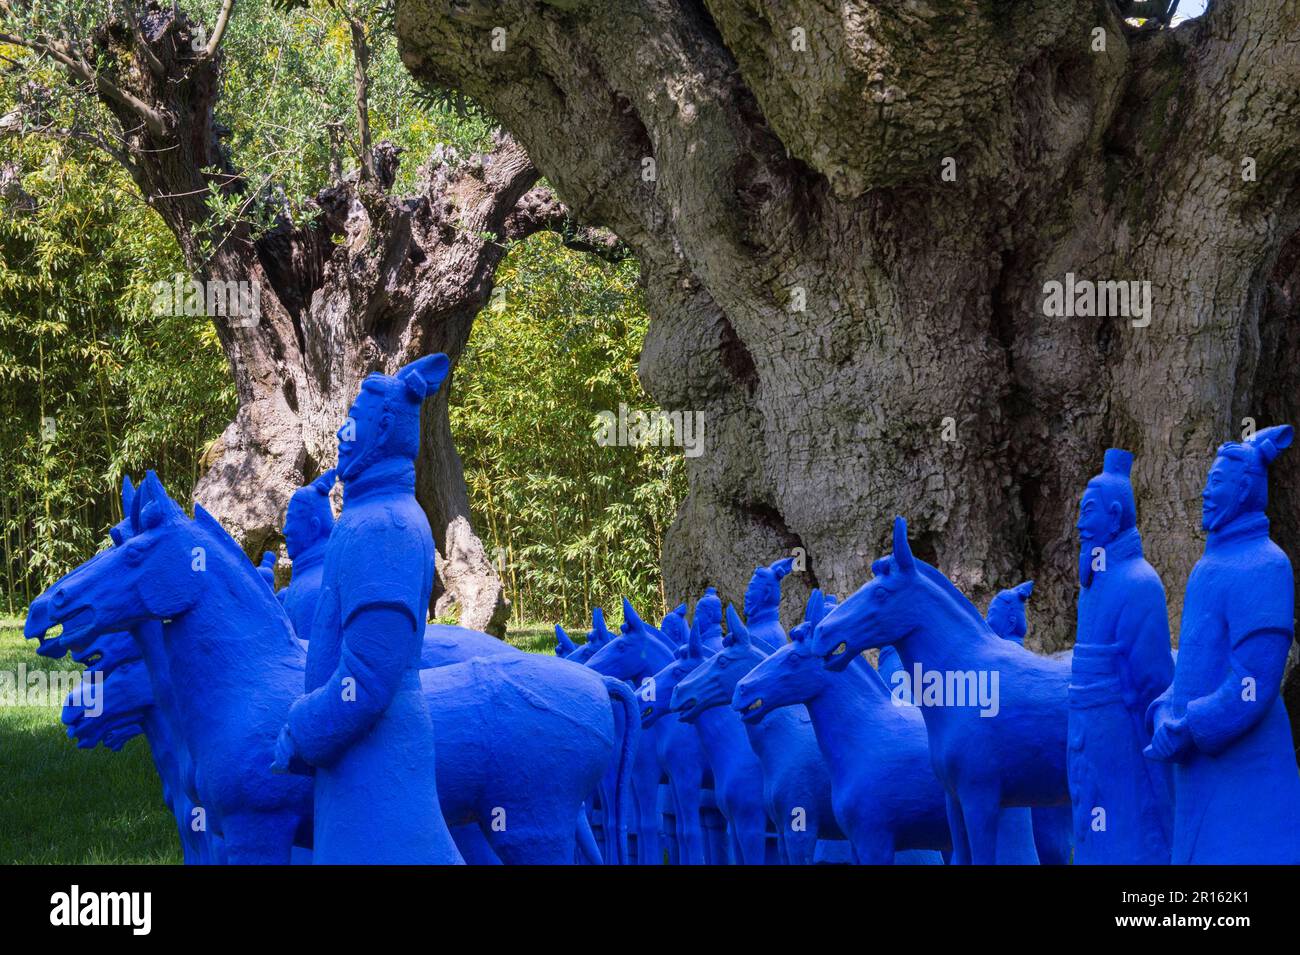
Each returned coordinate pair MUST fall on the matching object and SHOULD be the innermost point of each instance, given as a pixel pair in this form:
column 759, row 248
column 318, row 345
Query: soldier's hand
column 1172, row 740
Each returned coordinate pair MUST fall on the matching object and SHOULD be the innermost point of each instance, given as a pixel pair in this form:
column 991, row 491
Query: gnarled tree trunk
column 847, row 214
column 373, row 283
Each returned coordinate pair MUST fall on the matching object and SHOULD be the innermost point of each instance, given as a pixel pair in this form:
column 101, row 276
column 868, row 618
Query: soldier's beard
column 1086, row 558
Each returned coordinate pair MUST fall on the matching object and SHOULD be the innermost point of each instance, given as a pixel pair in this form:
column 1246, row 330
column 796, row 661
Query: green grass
column 532, row 637
column 60, row 804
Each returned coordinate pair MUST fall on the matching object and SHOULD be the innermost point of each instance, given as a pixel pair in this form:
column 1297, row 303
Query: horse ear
column 598, row 629
column 152, row 507
column 816, row 607
column 562, row 641
column 674, row 628
column 680, row 609
column 630, row 616
column 128, row 495
column 424, row 376
column 902, row 550
column 268, row 560
column 693, row 648
column 1024, row 590
column 737, row 632
column 782, row 567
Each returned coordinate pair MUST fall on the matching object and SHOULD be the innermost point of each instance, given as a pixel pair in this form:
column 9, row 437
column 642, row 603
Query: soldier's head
column 1107, row 508
column 384, row 421
column 309, row 518
column 1238, row 479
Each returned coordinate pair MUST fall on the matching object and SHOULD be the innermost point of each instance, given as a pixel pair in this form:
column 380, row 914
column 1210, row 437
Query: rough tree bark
column 798, row 151
column 374, row 282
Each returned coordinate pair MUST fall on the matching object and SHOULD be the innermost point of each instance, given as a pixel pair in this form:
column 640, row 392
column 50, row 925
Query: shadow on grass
column 59, row 804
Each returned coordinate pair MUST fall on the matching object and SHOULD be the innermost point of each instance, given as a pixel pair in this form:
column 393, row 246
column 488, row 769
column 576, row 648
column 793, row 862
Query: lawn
column 60, row 804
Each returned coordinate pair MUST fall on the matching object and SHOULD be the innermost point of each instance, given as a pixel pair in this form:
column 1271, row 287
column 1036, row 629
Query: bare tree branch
column 62, row 52
column 361, row 83
column 540, row 210
column 142, row 47
column 219, row 29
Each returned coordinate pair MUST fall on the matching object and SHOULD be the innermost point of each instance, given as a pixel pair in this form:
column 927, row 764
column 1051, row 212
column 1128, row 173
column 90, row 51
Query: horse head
column 792, row 674
column 564, row 647
column 763, row 595
column 905, row 595
column 155, row 574
column 634, row 652
column 675, row 629
column 122, row 701
column 713, row 682
column 38, row 615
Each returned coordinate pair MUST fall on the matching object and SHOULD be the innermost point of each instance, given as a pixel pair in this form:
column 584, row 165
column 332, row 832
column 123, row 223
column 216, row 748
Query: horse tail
column 587, row 840
column 621, row 693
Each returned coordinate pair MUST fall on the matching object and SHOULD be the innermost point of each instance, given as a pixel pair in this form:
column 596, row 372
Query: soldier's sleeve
column 1258, row 614
column 382, row 621
column 1144, row 629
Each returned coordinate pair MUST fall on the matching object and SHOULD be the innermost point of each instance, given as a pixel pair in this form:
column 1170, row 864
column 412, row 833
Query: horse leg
column 537, row 843
column 259, row 838
column 982, row 811
column 751, row 836
column 957, row 828
column 690, row 832
column 648, row 851
column 587, row 840
column 473, row 845
column 872, row 845
column 800, row 847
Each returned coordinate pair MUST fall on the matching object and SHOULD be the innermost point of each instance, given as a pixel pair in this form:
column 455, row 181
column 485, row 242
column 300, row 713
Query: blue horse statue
column 114, row 588
column 796, row 780
column 884, row 793
column 175, row 766
column 995, row 714
column 667, row 751
column 736, row 773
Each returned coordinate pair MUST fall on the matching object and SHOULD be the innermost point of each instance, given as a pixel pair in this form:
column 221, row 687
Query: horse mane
column 211, row 529
column 948, row 587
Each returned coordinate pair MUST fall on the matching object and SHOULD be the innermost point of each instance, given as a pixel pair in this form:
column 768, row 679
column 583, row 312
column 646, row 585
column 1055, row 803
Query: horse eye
column 133, row 554
column 722, row 663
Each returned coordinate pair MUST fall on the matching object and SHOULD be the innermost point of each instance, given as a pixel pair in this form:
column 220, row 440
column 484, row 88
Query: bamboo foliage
column 94, row 385
column 574, row 524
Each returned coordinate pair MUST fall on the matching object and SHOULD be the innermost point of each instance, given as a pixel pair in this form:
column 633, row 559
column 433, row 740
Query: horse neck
column 235, row 626
column 655, row 658
column 948, row 639
column 775, row 734
column 765, row 612
column 843, row 711
column 722, row 736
